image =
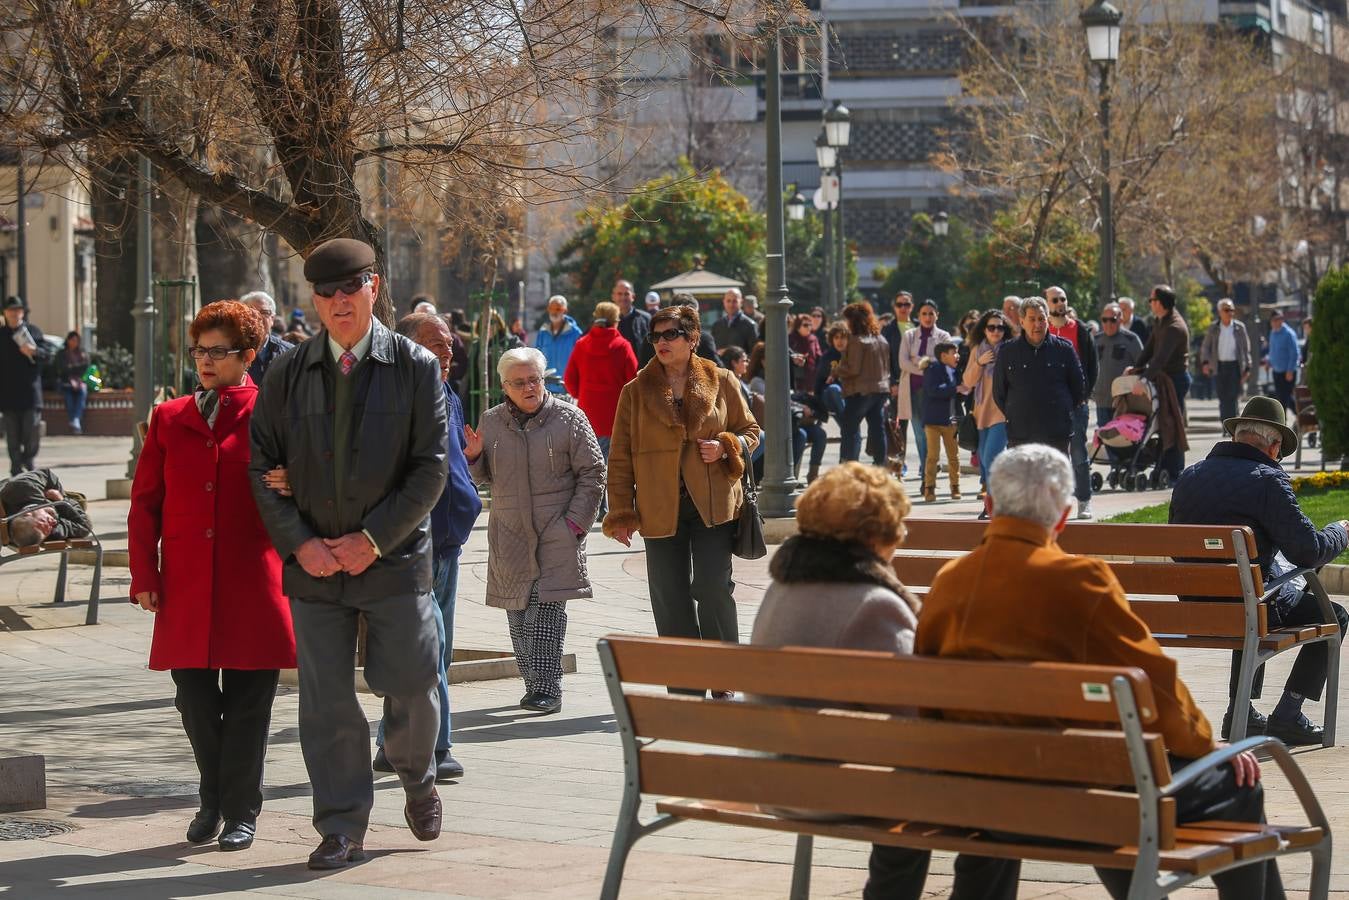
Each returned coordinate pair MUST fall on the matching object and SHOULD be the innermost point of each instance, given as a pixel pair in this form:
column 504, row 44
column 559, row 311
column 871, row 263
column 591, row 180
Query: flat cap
column 338, row 258
column 13, row 303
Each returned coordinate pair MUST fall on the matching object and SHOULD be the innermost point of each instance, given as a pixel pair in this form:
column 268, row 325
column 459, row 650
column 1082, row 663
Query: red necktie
column 347, row 361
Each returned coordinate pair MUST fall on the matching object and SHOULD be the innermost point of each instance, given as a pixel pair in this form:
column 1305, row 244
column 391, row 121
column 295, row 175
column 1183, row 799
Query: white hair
column 558, row 298
column 1029, row 303
column 1126, row 303
column 1012, row 298
column 259, row 298
column 1108, row 307
column 521, row 356
column 1267, row 434
column 1032, row 481
column 1226, row 303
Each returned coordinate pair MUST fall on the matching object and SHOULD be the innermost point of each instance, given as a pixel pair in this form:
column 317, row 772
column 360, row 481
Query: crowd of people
column 344, row 471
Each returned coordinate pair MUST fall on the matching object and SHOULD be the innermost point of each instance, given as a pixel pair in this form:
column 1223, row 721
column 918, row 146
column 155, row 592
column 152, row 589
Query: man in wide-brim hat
column 357, row 417
column 1242, row 483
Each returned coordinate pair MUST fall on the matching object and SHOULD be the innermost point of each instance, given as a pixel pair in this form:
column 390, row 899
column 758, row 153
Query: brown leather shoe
column 335, row 852
column 423, row 817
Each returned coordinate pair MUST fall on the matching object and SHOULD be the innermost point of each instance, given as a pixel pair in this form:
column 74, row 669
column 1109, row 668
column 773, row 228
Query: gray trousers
column 23, row 433
column 402, row 666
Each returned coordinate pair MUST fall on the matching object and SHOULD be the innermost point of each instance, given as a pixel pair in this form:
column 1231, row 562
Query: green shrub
column 1328, row 367
column 116, row 365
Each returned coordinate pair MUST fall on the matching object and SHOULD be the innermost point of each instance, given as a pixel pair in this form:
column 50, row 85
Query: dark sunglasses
column 992, row 327
column 216, row 353
column 1104, row 319
column 903, row 306
column 346, row 285
column 669, row 334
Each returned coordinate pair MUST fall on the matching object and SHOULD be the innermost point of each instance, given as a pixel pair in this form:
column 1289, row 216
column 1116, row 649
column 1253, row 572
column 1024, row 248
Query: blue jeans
column 832, row 398
column 1104, row 414
column 1077, row 452
column 75, row 400
column 916, row 419
column 444, row 585
column 992, row 441
column 870, row 407
column 813, row 434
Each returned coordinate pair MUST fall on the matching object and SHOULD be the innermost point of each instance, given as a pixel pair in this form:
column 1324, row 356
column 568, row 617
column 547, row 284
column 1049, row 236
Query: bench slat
column 1244, row 844
column 1195, row 618
column 1072, row 756
column 1166, row 579
column 1092, row 539
column 1275, row 640
column 861, row 678
column 1297, row 836
column 1092, row 815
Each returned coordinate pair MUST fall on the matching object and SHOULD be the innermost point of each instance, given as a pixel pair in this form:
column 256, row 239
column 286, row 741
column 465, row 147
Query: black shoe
column 381, row 763
column 237, row 835
column 1298, row 732
column 336, row 852
column 542, row 704
column 447, row 767
column 527, row 699
column 1255, row 724
column 205, row 826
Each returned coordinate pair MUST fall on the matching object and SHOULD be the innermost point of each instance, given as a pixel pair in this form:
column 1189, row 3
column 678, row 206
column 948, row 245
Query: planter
column 107, row 413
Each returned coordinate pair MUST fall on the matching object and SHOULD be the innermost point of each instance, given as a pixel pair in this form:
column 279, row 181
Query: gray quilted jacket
column 549, row 472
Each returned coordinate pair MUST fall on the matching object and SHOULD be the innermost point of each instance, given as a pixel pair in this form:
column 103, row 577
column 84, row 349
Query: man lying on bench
column 40, row 510
column 1018, row 596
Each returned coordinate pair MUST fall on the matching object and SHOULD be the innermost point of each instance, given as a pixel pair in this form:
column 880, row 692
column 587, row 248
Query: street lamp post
column 838, row 130
column 1101, row 21
column 825, row 156
column 144, row 311
column 780, row 488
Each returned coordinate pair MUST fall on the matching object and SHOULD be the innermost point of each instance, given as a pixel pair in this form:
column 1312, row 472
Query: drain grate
column 28, row 830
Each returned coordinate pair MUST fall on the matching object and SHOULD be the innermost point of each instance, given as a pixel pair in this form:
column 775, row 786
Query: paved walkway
column 532, row 817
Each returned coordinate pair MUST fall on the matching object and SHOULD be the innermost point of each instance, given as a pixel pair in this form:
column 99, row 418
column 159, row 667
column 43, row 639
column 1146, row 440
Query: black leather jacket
column 396, row 466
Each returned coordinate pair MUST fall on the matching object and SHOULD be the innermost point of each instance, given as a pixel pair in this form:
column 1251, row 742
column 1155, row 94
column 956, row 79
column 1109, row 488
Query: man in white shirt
column 1225, row 356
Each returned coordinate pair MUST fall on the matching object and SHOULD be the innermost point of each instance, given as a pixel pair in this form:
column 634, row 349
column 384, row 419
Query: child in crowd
column 939, row 423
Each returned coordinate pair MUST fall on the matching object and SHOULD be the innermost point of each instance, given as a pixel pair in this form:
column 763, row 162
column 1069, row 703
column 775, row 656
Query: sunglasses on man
column 669, row 334
column 348, row 286
column 1109, row 320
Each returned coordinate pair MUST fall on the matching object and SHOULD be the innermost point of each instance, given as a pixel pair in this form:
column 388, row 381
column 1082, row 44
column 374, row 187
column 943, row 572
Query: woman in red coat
column 601, row 363
column 202, row 562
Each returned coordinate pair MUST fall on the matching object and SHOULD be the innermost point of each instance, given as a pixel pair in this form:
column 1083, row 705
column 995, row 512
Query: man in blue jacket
column 452, row 521
column 1283, row 360
column 557, row 339
column 1038, row 382
column 1242, row 483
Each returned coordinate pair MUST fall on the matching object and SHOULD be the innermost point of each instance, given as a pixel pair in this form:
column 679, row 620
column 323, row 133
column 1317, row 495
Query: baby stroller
column 1130, row 440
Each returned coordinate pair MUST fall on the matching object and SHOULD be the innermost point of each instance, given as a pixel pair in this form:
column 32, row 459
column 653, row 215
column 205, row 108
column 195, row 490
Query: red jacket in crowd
column 601, row 363
column 196, row 540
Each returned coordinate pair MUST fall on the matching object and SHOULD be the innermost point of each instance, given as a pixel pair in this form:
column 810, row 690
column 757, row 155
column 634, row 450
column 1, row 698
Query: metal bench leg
column 626, row 833
column 91, row 615
column 60, row 596
column 1319, row 889
column 805, row 846
column 1241, row 703
column 1332, row 691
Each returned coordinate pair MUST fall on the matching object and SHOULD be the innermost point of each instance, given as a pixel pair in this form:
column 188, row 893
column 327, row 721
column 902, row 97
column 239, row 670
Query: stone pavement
column 532, row 817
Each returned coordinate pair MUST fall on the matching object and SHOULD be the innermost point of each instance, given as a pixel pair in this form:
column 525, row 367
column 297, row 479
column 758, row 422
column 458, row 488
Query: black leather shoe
column 237, row 835
column 335, row 852
column 527, row 699
column 1298, row 732
column 1255, row 724
column 381, row 763
column 447, row 767
column 205, row 826
column 423, row 817
column 541, row 704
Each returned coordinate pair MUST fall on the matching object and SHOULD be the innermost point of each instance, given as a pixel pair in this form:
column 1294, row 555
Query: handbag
column 749, row 539
column 967, row 433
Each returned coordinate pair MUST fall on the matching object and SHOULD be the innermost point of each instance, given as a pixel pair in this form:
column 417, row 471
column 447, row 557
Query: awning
column 698, row 282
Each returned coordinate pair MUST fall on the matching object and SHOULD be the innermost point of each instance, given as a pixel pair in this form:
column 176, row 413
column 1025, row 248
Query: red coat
column 601, row 363
column 219, row 579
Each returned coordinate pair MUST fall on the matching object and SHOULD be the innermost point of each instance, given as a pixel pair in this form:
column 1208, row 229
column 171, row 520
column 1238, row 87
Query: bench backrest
column 1225, row 572
column 985, row 753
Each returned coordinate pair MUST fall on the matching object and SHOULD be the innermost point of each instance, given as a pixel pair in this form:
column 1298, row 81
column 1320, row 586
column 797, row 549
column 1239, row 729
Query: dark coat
column 196, row 540
column 738, row 330
column 635, row 326
column 1086, row 355
column 939, row 390
column 1037, row 389
column 396, row 464
column 272, row 349
column 457, row 509
column 1238, row 485
column 29, row 489
column 21, row 377
column 1166, row 349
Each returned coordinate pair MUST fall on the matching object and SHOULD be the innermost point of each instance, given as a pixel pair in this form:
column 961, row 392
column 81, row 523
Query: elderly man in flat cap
column 357, row 417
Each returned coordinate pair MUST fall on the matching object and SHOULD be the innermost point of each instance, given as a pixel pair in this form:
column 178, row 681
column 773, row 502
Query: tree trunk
column 112, row 187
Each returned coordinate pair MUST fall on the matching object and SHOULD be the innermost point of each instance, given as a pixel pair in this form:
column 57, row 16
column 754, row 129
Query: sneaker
column 1084, row 509
column 1298, row 732
column 1255, row 723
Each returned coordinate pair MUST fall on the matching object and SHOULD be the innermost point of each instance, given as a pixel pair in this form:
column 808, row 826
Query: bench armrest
column 23, row 512
column 1313, row 584
column 1282, row 758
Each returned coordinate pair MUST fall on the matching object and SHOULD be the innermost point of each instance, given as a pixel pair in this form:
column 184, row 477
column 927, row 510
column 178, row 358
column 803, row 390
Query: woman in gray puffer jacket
column 547, row 475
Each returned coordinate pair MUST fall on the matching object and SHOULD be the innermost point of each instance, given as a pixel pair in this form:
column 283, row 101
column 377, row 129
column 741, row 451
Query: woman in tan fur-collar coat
column 675, row 462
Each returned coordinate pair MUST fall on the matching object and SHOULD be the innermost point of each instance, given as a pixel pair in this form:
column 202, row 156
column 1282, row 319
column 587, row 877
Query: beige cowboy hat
column 1266, row 411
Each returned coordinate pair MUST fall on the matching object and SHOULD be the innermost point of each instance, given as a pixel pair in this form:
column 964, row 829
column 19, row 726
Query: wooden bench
column 1101, row 791
column 92, row 542
column 1227, row 571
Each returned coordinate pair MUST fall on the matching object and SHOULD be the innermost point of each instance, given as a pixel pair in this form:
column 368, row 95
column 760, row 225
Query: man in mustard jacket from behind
column 1018, row 596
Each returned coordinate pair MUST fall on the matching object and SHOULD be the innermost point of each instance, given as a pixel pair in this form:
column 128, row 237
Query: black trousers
column 226, row 714
column 1228, row 378
column 690, row 577
column 898, row 873
column 1308, row 675
column 23, row 433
